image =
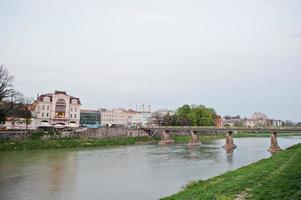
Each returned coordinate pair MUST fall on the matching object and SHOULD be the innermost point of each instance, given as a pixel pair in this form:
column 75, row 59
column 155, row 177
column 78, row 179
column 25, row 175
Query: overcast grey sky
column 237, row 56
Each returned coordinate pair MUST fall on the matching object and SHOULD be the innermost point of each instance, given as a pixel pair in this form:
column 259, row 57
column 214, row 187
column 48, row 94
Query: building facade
column 56, row 108
column 257, row 119
column 90, row 118
column 123, row 117
column 114, row 117
column 140, row 118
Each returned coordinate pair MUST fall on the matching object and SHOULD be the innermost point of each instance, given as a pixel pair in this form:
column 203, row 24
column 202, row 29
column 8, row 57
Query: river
column 126, row 172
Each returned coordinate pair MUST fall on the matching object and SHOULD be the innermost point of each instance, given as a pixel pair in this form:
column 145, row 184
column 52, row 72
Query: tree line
column 191, row 115
column 13, row 104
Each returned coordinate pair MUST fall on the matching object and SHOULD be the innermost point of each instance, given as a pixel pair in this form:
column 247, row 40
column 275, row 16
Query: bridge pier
column 166, row 139
column 274, row 143
column 194, row 139
column 229, row 141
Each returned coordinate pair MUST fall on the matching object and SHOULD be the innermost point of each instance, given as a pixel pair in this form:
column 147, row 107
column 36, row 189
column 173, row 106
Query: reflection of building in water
column 56, row 108
column 230, row 156
column 61, row 174
column 38, row 175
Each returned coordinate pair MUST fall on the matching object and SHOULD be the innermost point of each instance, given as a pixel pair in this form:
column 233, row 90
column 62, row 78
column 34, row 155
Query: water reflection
column 230, row 156
column 61, row 174
column 36, row 175
column 133, row 172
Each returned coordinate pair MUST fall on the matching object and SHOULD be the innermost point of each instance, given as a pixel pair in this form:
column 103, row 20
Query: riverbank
column 37, row 143
column 277, row 177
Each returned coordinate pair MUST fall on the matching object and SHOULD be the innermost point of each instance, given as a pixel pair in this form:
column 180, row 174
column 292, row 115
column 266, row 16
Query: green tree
column 193, row 115
column 184, row 111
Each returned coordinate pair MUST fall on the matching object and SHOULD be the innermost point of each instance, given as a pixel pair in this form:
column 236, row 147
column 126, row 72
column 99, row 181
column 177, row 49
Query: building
column 140, row 118
column 274, row 122
column 156, row 117
column 124, row 118
column 114, row 117
column 56, row 108
column 255, row 123
column 90, row 118
column 232, row 121
column 18, row 124
column 259, row 119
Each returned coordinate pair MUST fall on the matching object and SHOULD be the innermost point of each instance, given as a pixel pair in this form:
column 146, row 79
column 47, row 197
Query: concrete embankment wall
column 14, row 135
column 109, row 133
column 88, row 133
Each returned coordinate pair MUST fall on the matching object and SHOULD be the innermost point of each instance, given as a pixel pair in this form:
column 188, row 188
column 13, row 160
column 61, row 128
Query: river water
column 128, row 172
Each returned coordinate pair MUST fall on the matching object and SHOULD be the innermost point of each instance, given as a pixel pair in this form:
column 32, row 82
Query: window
column 42, row 114
column 47, row 114
column 71, row 116
column 75, row 109
column 47, row 107
column 43, row 107
column 74, row 115
column 60, row 108
column 71, row 109
column 46, row 99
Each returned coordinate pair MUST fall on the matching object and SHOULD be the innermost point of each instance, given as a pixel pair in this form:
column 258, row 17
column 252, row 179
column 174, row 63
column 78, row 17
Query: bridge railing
column 212, row 128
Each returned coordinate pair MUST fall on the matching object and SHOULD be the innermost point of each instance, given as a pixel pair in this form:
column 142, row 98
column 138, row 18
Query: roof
column 60, row 92
column 89, row 111
column 40, row 98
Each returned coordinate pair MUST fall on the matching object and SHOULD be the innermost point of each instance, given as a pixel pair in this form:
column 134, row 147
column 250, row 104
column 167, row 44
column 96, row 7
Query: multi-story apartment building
column 56, row 108
column 123, row 117
column 140, row 118
column 114, row 117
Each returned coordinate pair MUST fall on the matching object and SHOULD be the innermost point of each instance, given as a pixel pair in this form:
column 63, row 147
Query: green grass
column 36, row 143
column 277, row 178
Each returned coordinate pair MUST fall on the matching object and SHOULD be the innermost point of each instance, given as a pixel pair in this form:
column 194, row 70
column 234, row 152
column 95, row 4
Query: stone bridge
column 166, row 132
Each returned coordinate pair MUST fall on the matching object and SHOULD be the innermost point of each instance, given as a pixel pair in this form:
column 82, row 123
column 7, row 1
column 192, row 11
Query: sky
column 237, row 56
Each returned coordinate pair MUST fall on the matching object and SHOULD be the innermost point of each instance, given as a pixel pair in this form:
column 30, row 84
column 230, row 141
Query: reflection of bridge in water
column 166, row 132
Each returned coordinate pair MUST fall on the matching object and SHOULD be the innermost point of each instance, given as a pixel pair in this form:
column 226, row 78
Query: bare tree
column 156, row 119
column 6, row 79
column 20, row 107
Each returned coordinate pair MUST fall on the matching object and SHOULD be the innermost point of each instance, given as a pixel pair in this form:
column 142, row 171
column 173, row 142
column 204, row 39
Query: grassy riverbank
column 278, row 177
column 35, row 143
